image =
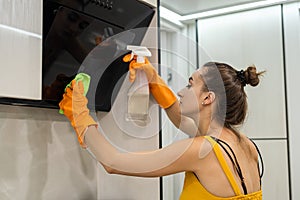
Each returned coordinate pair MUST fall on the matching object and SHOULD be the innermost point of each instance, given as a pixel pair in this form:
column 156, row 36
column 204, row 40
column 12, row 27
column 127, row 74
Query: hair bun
column 251, row 76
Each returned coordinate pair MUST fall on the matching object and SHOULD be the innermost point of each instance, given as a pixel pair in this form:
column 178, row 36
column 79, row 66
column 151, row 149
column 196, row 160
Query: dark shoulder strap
column 260, row 171
column 234, row 162
column 219, row 154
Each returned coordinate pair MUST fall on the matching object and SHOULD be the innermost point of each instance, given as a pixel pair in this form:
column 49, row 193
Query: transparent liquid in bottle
column 138, row 98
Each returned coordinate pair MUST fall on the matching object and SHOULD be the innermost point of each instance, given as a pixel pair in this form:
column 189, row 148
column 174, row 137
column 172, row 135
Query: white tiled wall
column 292, row 49
column 243, row 39
column 275, row 182
column 40, row 157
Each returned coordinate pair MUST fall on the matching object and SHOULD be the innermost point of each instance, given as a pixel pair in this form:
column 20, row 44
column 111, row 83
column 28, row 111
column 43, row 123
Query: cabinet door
column 243, row 39
column 291, row 16
column 275, row 181
column 21, row 49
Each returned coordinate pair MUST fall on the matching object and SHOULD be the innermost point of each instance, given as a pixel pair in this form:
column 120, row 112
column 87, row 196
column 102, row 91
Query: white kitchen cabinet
column 21, row 49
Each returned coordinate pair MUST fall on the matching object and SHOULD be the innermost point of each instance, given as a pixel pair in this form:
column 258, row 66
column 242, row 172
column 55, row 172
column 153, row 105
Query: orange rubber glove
column 74, row 105
column 158, row 88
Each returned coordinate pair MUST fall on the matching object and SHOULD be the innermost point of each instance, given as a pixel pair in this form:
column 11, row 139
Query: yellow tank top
column 193, row 190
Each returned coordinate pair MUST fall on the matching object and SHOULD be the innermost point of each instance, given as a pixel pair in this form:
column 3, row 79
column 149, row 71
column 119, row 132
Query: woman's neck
column 209, row 127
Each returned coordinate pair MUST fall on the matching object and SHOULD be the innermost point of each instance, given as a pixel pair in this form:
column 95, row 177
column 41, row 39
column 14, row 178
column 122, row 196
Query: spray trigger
column 140, row 51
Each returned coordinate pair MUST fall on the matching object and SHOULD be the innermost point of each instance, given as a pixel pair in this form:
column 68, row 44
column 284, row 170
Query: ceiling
column 186, row 7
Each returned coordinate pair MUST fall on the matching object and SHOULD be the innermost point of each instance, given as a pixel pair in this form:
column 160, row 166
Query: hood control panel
column 107, row 4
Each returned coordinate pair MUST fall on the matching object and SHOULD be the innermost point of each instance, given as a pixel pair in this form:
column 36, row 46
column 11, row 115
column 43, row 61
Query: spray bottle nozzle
column 140, row 51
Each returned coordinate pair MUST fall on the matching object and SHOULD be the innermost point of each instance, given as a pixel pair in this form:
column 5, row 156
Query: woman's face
column 69, row 24
column 192, row 95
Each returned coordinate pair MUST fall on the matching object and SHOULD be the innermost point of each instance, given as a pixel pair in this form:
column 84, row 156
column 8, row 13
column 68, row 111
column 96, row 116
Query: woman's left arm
column 177, row 157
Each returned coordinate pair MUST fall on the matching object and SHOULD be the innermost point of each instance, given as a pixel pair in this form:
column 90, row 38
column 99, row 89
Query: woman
column 220, row 163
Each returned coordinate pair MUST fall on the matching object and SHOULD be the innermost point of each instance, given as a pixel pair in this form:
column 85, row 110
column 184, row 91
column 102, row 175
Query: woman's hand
column 74, row 105
column 146, row 67
column 158, row 88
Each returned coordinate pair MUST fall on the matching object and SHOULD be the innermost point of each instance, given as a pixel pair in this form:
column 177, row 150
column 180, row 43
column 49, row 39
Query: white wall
column 292, row 49
column 40, row 157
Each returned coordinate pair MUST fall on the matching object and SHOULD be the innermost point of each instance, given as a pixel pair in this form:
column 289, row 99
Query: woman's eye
column 83, row 25
column 189, row 86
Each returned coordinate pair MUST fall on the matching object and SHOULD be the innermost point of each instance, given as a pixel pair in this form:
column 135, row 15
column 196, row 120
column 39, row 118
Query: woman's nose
column 180, row 93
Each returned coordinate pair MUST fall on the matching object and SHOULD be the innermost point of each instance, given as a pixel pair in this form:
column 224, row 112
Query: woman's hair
column 228, row 85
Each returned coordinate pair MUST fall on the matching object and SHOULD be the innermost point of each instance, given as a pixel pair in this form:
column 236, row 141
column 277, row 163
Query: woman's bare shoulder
column 249, row 146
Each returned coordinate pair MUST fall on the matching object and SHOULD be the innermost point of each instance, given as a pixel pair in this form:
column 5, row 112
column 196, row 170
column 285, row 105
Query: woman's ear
column 210, row 98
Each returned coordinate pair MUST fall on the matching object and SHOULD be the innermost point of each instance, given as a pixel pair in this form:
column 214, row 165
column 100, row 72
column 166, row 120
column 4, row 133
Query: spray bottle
column 138, row 94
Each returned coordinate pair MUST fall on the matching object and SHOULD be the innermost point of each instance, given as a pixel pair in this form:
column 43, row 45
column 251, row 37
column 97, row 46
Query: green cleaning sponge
column 85, row 78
